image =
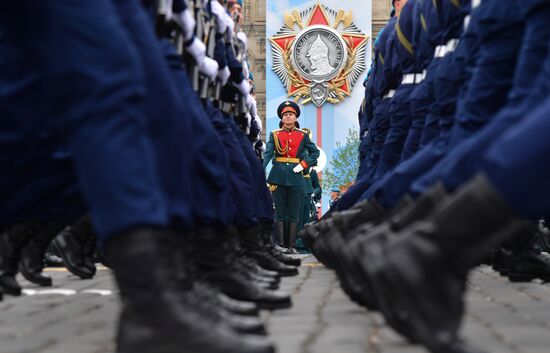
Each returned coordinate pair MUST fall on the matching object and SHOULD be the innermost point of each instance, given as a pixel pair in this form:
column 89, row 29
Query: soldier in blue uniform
column 98, row 106
column 456, row 232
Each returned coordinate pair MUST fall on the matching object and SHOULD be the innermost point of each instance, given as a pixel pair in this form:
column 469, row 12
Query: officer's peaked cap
column 287, row 106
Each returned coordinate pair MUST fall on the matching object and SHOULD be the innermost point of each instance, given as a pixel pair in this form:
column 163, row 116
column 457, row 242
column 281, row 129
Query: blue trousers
column 431, row 124
column 501, row 30
column 530, row 87
column 419, row 109
column 254, row 175
column 261, row 196
column 95, row 108
column 164, row 109
column 212, row 200
column 378, row 130
column 401, row 118
column 515, row 165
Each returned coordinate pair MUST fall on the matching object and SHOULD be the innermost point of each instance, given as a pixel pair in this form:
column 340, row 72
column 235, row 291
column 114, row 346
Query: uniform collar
column 289, row 130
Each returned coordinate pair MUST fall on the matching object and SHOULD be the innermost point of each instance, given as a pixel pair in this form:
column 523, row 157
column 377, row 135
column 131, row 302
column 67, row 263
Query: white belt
column 440, row 51
column 410, row 79
column 390, row 94
column 451, row 45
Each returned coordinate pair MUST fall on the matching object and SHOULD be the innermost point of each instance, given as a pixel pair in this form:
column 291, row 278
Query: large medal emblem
column 319, row 62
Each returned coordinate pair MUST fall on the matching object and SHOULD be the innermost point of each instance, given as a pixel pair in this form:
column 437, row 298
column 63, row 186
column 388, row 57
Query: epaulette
column 277, row 130
column 302, row 131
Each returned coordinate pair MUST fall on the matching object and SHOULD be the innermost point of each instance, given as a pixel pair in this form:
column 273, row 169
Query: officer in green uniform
column 291, row 152
column 312, row 192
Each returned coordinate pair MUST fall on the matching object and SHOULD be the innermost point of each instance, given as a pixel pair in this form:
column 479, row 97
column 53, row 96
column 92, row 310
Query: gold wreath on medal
column 320, row 61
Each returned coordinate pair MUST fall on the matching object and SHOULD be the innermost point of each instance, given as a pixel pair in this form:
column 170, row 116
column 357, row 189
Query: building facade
column 255, row 28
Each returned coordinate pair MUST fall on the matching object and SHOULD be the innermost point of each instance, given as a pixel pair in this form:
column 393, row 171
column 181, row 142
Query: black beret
column 288, row 106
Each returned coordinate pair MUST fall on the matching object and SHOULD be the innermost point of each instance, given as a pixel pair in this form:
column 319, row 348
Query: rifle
column 199, row 33
column 241, row 104
column 210, row 42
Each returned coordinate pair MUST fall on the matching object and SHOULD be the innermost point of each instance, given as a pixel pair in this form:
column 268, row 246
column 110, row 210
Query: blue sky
column 337, row 119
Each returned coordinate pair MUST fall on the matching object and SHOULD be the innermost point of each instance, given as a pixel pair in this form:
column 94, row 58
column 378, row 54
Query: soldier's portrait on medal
column 318, row 53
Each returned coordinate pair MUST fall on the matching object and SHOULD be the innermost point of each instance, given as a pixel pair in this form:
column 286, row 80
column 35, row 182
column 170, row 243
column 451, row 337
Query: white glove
column 241, row 36
column 318, row 205
column 262, row 148
column 166, row 8
column 258, row 122
column 299, row 168
column 186, row 22
column 246, row 71
column 230, row 26
column 251, row 104
column 209, row 67
column 197, row 49
column 244, row 88
column 248, row 122
column 219, row 11
column 223, row 75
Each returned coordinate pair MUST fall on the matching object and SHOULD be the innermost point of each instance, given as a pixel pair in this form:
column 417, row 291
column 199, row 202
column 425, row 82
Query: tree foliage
column 344, row 165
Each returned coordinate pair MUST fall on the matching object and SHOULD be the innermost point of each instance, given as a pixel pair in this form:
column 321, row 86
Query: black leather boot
column 204, row 299
column 156, row 317
column 216, row 266
column 70, row 245
column 253, row 245
column 32, row 261
column 342, row 222
column 346, row 246
column 265, row 235
column 89, row 240
column 292, row 234
column 12, row 240
column 419, row 277
column 280, row 228
column 528, row 259
column 231, row 305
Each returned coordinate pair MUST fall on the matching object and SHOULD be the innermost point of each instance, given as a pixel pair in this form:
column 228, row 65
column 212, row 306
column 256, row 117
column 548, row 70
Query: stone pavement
column 80, row 317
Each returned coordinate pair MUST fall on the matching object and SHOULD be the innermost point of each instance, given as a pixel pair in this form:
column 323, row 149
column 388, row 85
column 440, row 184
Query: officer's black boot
column 12, row 241
column 427, row 305
column 70, row 245
column 280, row 228
column 279, row 255
column 216, row 265
column 528, row 259
column 292, row 234
column 252, row 243
column 156, row 317
column 32, row 255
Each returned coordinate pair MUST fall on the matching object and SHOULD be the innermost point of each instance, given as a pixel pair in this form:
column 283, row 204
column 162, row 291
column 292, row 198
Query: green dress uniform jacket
column 286, row 149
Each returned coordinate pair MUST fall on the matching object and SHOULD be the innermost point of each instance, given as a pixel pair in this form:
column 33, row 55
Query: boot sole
column 72, row 269
column 274, row 306
column 523, row 277
column 41, row 283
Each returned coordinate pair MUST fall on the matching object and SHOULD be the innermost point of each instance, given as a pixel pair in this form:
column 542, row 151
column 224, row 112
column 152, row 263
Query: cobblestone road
column 80, row 317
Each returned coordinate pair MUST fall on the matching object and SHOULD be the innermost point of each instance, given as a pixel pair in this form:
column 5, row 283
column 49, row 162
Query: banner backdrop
column 330, row 122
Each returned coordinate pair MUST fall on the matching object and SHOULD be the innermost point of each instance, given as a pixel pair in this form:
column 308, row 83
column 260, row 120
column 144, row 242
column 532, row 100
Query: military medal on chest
column 319, row 54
